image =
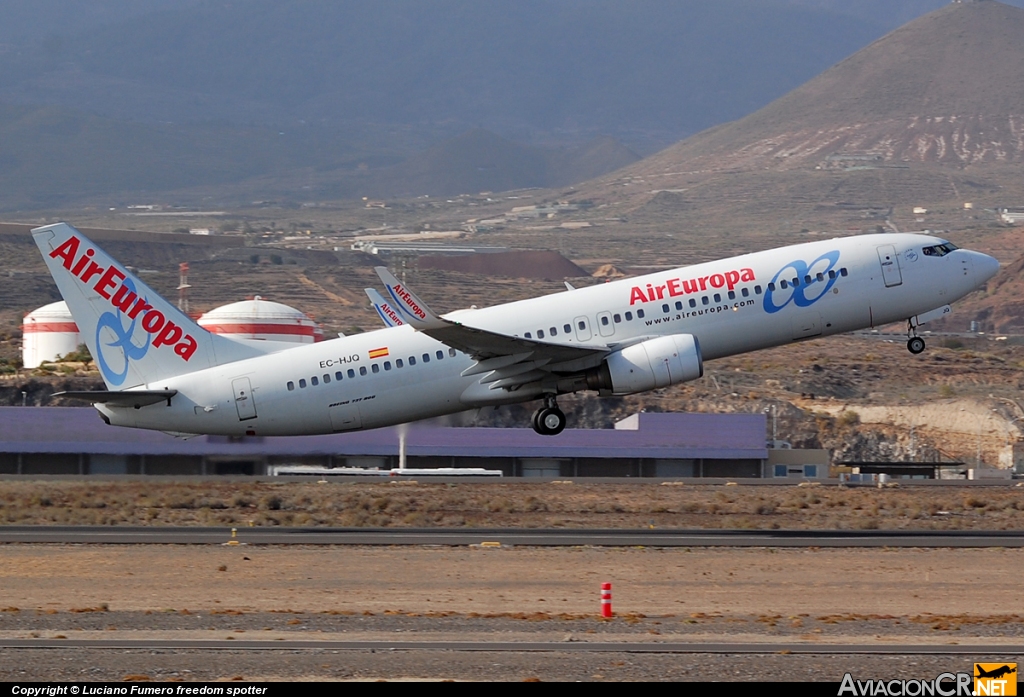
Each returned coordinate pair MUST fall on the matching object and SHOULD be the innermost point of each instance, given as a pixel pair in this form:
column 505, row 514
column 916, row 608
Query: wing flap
column 128, row 398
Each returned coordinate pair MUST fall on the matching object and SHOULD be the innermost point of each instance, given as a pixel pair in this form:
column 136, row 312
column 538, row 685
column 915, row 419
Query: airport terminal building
column 69, row 441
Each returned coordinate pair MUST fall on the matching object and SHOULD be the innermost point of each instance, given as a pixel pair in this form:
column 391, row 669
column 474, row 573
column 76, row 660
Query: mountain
column 930, row 115
column 479, row 160
column 52, row 156
column 944, row 88
column 337, row 98
column 648, row 71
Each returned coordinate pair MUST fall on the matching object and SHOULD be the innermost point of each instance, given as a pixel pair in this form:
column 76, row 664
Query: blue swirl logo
column 801, row 294
column 125, row 350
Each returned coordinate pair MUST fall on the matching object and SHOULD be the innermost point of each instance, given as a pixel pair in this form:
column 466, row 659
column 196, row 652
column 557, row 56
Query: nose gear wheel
column 915, row 344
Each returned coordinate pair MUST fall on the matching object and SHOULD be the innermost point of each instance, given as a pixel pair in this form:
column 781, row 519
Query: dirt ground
column 826, row 597
column 829, row 597
column 509, row 504
column 463, row 580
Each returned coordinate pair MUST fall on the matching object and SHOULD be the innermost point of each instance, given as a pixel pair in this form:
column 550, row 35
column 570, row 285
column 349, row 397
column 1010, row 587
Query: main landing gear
column 915, row 344
column 549, row 420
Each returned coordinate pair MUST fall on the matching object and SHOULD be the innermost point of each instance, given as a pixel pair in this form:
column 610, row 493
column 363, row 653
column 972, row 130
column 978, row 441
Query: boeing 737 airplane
column 165, row 372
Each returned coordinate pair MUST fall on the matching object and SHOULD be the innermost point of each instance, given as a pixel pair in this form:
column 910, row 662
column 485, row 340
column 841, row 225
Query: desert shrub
column 848, row 418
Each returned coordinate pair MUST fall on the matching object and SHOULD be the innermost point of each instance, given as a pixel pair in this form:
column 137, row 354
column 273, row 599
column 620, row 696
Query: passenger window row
column 619, row 318
column 553, row 331
column 744, row 292
column 375, row 368
column 808, row 279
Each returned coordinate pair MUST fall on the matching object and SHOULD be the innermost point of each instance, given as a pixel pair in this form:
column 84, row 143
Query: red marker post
column 606, row 600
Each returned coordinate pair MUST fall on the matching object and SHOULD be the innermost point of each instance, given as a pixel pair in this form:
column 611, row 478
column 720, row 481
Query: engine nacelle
column 667, row 360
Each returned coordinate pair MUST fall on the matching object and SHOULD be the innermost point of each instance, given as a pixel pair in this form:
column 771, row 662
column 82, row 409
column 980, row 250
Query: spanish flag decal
column 378, row 352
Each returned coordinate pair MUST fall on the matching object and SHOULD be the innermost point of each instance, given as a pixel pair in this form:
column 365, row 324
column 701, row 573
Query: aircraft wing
column 508, row 360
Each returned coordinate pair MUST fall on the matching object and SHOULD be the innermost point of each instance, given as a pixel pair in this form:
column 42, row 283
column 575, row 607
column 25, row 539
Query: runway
column 526, row 646
column 509, row 537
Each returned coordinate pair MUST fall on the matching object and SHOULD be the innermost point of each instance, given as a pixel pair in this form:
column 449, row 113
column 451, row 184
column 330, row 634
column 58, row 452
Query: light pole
column 775, row 422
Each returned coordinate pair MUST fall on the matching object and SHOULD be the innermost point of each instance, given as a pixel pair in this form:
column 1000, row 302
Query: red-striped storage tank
column 261, row 320
column 47, row 333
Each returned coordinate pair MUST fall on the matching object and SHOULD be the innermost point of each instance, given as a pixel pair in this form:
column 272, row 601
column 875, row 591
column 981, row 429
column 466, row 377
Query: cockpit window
column 939, row 250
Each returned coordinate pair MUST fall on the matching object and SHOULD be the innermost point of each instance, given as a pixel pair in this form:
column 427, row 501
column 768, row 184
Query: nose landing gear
column 549, row 420
column 915, row 344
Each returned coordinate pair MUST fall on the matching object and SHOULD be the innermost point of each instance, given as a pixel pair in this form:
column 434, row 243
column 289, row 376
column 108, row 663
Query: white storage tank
column 47, row 333
column 260, row 319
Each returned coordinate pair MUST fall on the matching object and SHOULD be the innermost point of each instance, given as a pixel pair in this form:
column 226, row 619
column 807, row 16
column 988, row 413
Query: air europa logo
column 125, row 299
column 391, row 314
column 406, row 297
column 675, row 287
column 793, row 286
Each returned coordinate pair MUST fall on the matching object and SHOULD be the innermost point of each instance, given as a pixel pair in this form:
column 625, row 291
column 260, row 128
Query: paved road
column 533, row 646
column 507, row 537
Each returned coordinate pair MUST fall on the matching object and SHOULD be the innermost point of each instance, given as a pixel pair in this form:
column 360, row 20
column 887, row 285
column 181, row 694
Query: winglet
column 388, row 314
column 413, row 310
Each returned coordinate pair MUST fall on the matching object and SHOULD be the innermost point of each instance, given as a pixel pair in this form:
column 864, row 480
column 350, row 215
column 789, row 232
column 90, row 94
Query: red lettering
column 168, row 335
column 186, row 348
column 108, row 280
column 406, row 296
column 93, row 269
column 123, row 298
column 67, row 252
column 676, row 286
column 140, row 306
column 152, row 321
column 83, row 260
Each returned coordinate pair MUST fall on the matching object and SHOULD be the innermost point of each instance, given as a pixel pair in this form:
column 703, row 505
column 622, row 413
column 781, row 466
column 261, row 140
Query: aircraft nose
column 985, row 267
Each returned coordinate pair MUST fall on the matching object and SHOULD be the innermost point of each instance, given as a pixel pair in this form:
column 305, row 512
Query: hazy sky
column 22, row 20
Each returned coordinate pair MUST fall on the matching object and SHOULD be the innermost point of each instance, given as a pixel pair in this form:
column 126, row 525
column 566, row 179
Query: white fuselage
column 731, row 306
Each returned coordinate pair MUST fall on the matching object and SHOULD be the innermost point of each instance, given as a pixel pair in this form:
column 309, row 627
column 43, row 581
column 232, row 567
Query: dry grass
column 514, row 505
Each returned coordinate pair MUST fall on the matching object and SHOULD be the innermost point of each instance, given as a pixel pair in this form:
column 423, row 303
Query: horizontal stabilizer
column 128, row 398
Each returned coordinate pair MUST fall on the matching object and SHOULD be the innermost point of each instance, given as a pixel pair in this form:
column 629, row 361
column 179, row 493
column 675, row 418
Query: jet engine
column 651, row 364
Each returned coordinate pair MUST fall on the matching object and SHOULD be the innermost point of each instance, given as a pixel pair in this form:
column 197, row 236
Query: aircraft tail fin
column 135, row 336
column 412, row 310
column 389, row 315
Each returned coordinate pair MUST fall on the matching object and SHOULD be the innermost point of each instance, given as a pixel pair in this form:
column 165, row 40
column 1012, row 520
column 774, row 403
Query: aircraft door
column 583, row 332
column 244, row 402
column 890, row 265
column 345, row 417
column 806, row 325
column 604, row 324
